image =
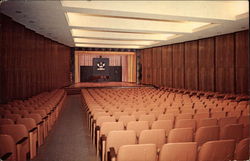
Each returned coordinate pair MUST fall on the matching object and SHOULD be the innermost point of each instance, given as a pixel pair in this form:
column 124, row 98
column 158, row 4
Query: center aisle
column 69, row 139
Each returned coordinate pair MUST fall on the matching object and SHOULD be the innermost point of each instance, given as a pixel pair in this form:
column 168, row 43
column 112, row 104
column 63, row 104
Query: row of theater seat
column 24, row 125
column 146, row 108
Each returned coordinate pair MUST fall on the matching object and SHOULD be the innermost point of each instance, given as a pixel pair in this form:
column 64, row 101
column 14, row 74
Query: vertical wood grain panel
column 154, row 66
column 178, row 65
column 191, row 65
column 242, row 61
column 224, row 59
column 206, row 64
column 158, row 66
column 167, row 64
column 148, row 55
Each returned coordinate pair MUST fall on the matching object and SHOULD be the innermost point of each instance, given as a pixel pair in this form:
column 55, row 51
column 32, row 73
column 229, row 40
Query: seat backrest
column 180, row 135
column 221, row 150
column 242, row 150
column 29, row 123
column 137, row 114
column 184, row 116
column 206, row 133
column 103, row 119
column 13, row 117
column 206, row 122
column 138, row 126
column 117, row 114
column 236, row 113
column 118, row 138
column 4, row 121
column 186, row 123
column 126, row 119
column 227, row 121
column 168, row 116
column 203, row 115
column 232, row 131
column 154, row 136
column 178, row 152
column 244, row 120
column 17, row 131
column 167, row 125
column 139, row 152
column 7, row 146
column 34, row 116
column 106, row 127
column 150, row 118
column 218, row 115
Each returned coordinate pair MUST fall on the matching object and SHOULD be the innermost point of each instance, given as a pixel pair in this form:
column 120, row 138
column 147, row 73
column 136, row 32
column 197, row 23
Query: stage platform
column 76, row 88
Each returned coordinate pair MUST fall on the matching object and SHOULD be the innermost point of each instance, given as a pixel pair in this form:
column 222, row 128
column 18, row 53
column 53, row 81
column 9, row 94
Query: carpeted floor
column 69, row 139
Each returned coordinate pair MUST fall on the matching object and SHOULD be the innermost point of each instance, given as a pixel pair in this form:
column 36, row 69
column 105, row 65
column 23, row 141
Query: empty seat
column 180, row 135
column 244, row 120
column 242, row 150
column 178, row 152
column 185, row 123
column 202, row 110
column 222, row 150
column 246, row 131
column 203, row 115
column 168, row 116
column 116, row 139
column 236, row 113
column 117, row 115
column 218, row 115
column 8, row 148
column 206, row 122
column 184, row 116
column 20, row 135
column 207, row 133
column 4, row 121
column 141, row 152
column 227, row 121
column 138, row 126
column 150, row 118
column 167, row 125
column 126, row 119
column 154, row 136
column 13, row 117
column 232, row 131
column 137, row 114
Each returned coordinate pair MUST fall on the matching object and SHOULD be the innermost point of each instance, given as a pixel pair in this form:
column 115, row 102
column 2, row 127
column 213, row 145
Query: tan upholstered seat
column 150, row 118
column 227, row 121
column 242, row 150
column 154, row 136
column 180, row 135
column 232, row 131
column 167, row 125
column 138, row 126
column 185, row 123
column 206, row 122
column 206, row 133
column 178, row 152
column 222, row 150
column 7, row 146
column 141, row 152
column 126, row 119
column 5, row 121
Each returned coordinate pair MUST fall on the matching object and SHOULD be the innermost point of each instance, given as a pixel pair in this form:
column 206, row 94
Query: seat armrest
column 22, row 140
column 112, row 154
column 32, row 130
column 5, row 156
column 40, row 123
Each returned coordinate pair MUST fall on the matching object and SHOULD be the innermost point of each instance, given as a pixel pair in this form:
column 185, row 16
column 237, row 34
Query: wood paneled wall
column 30, row 63
column 217, row 63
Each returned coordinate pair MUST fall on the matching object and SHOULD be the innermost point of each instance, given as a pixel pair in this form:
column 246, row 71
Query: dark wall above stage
column 30, row 63
column 219, row 63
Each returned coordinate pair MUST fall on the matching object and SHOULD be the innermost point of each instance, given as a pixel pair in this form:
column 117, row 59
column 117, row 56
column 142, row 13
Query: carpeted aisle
column 69, row 139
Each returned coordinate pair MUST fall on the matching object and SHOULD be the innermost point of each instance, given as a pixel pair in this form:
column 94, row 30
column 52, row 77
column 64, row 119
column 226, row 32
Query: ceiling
column 128, row 24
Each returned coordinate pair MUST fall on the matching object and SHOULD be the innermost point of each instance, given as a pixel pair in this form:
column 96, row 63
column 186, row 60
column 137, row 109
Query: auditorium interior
column 96, row 80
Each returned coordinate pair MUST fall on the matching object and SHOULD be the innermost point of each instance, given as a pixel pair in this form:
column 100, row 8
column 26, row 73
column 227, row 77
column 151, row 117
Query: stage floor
column 105, row 84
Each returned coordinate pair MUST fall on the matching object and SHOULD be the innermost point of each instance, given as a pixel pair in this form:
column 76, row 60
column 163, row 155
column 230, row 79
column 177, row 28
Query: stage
column 76, row 88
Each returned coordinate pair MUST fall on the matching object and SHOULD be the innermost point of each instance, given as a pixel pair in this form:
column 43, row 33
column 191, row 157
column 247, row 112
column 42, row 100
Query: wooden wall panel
column 242, row 61
column 191, row 65
column 167, row 66
column 224, row 63
column 178, row 65
column 206, row 64
column 148, row 61
column 156, row 66
column 30, row 63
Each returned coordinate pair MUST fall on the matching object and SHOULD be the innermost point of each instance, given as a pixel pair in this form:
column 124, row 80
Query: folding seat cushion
column 167, row 125
column 207, row 133
column 178, row 152
column 185, row 123
column 232, row 131
column 8, row 148
column 138, row 126
column 221, row 150
column 218, row 115
column 180, row 135
column 227, row 121
column 168, row 116
column 116, row 139
column 4, row 121
column 13, row 117
column 206, row 122
column 19, row 134
column 203, row 115
column 150, row 118
column 184, row 116
column 242, row 150
column 141, row 152
column 154, row 136
column 30, row 124
column 126, row 119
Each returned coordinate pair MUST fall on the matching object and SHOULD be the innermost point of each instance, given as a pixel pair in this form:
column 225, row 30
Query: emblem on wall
column 100, row 66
